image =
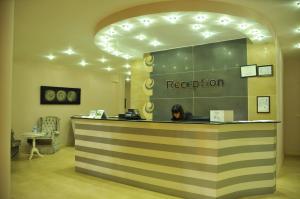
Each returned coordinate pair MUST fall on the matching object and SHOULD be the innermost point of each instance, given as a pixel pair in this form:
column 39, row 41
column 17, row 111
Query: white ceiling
column 51, row 26
column 173, row 30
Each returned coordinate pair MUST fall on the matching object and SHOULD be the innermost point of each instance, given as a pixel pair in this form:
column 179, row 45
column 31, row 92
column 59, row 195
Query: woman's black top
column 186, row 116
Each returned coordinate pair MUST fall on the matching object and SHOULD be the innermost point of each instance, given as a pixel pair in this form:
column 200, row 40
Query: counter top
column 177, row 122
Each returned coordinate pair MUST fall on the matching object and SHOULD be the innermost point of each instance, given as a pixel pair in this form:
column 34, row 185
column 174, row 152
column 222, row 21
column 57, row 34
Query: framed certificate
column 263, row 104
column 248, row 71
column 266, row 70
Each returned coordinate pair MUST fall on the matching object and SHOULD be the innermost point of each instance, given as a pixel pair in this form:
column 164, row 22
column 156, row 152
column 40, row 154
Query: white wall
column 100, row 90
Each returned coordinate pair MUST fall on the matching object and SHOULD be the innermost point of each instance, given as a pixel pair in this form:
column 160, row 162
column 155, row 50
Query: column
column 6, row 54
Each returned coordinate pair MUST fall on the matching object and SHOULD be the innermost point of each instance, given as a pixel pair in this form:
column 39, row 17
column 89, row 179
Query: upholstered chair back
column 49, row 124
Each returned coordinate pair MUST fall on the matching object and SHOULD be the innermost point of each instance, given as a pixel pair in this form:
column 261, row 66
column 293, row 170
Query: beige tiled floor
column 53, row 177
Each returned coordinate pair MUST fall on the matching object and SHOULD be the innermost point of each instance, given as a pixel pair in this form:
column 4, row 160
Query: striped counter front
column 197, row 161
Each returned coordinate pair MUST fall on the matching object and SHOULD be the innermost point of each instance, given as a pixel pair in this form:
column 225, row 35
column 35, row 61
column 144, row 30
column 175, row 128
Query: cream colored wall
column 138, row 76
column 6, row 54
column 279, row 92
column 261, row 54
column 292, row 105
column 98, row 90
column 265, row 54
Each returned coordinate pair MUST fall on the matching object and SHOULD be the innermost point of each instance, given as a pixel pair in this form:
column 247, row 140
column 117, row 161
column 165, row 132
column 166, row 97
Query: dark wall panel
column 234, row 85
column 160, row 89
column 173, row 61
column 205, row 63
column 220, row 56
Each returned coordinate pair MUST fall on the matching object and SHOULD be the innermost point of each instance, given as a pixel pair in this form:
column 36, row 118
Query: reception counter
column 187, row 159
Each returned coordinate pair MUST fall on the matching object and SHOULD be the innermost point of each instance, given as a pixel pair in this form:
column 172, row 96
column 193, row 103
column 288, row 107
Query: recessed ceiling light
column 127, row 79
column 127, row 66
column 83, row 63
column 297, row 45
column 111, row 32
column 259, row 37
column 255, row 32
column 69, row 51
column 105, row 38
column 126, row 56
column 197, row 26
column 116, row 53
column 146, row 21
column 201, row 17
column 128, row 73
column 103, row 60
column 207, row 34
column 224, row 21
column 140, row 37
column 104, row 44
column 243, row 26
column 155, row 43
column 172, row 18
column 108, row 68
column 126, row 26
column 50, row 57
column 108, row 49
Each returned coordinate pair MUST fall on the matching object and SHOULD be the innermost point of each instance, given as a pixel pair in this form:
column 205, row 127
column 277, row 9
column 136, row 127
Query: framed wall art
column 59, row 95
column 264, row 71
column 263, row 104
column 248, row 71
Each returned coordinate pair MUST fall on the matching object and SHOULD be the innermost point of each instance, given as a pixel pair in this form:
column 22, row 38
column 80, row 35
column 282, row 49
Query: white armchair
column 49, row 126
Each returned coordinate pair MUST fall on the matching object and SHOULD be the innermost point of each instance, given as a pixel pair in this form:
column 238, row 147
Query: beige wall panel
column 138, row 75
column 261, row 54
column 98, row 90
column 279, row 91
column 292, row 105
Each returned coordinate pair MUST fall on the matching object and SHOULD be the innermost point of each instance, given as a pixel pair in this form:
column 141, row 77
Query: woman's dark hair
column 177, row 108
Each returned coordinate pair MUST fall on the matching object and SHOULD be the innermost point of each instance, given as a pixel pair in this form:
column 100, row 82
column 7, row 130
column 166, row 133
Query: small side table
column 34, row 149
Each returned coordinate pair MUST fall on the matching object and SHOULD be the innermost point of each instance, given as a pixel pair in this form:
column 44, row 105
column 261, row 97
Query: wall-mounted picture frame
column 263, row 104
column 265, row 70
column 249, row 70
column 59, row 95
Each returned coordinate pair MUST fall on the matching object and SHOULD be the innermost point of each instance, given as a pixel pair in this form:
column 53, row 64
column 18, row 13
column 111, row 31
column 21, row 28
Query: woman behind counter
column 178, row 113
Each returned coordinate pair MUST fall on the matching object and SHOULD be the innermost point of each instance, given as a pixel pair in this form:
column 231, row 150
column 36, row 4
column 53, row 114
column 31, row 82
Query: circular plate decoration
column 149, row 60
column 71, row 96
column 49, row 95
column 148, row 110
column 148, row 86
column 61, row 95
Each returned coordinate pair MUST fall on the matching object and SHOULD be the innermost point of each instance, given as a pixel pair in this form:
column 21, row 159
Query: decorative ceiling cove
column 53, row 31
column 131, row 38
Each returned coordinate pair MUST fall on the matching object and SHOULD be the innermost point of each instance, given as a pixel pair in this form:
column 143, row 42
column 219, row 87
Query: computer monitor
column 133, row 114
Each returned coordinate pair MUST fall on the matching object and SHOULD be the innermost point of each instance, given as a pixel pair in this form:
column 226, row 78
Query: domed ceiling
column 131, row 38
